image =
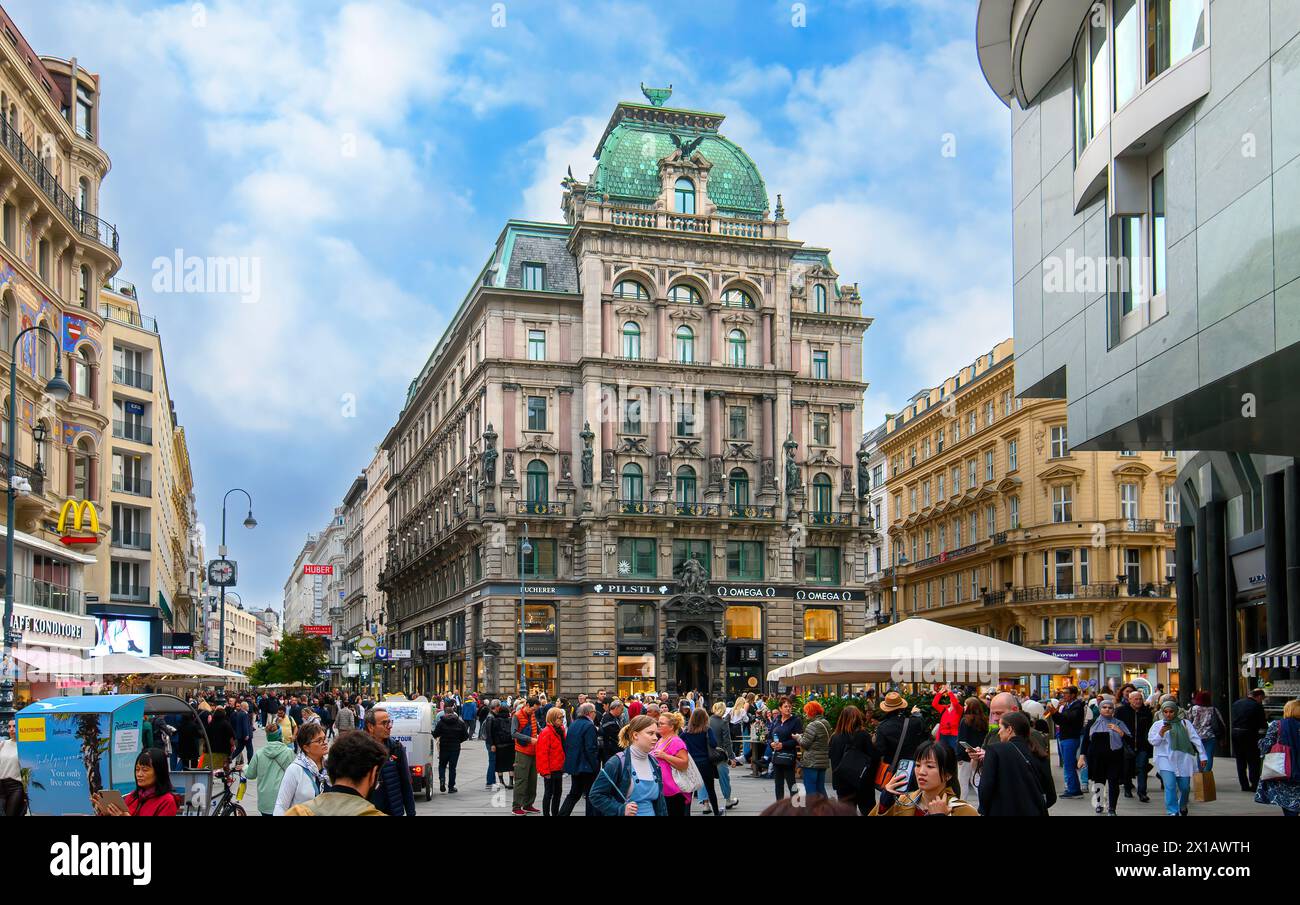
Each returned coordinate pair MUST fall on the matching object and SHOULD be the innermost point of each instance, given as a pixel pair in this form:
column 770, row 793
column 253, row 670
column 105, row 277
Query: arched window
column 81, row 378
column 686, row 486
column 81, row 470
column 685, row 344
column 631, row 340
column 819, row 299
column 736, row 349
column 685, row 294
column 630, row 289
column 737, row 298
column 538, row 482
column 1016, row 635
column 633, row 483
column 1134, row 632
column 684, row 196
column 45, row 354
column 739, row 487
column 821, row 493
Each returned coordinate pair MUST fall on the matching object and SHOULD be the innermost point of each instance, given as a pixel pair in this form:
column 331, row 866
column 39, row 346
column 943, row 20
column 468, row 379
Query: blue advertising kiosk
column 79, row 745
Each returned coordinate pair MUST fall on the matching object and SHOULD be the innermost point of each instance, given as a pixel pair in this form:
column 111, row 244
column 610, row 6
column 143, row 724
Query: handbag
column 688, row 780
column 851, row 772
column 718, row 755
column 885, row 771
column 1276, row 764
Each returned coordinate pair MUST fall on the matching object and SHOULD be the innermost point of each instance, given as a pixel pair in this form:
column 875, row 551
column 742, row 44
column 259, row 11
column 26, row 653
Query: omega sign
column 726, row 591
column 823, row 595
column 42, row 626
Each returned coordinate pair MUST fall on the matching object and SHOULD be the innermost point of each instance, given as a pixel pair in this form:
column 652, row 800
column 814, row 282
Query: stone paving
column 756, row 794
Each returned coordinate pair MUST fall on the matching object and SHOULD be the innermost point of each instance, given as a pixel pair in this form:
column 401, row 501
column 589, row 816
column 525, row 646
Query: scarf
column 1103, row 724
column 1179, row 740
column 313, row 772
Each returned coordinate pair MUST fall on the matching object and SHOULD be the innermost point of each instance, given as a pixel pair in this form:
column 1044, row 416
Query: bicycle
column 227, row 803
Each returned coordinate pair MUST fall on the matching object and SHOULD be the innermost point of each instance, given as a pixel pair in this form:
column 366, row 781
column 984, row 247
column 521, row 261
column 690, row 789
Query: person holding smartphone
column 1179, row 752
column 935, row 772
column 153, row 791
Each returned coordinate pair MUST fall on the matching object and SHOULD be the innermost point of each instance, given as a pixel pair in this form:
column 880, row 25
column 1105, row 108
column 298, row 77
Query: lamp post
column 525, row 548
column 59, row 390
column 249, row 522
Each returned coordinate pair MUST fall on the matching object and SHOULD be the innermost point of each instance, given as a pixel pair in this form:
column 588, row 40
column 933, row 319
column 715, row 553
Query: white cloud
column 569, row 144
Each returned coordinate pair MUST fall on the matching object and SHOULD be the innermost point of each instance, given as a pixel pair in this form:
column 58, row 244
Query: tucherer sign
column 310, row 569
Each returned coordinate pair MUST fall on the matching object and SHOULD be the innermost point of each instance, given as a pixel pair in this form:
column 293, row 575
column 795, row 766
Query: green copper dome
column 639, row 136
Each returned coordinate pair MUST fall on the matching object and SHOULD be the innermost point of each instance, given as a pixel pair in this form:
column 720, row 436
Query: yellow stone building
column 999, row 527
column 150, row 569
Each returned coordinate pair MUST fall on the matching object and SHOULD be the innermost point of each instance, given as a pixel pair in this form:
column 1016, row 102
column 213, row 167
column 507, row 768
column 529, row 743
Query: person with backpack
column 630, row 784
column 851, row 762
column 268, row 767
column 450, row 732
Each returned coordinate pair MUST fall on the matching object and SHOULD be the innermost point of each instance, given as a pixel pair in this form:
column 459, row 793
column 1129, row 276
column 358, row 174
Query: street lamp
column 249, row 522
column 525, row 549
column 58, row 390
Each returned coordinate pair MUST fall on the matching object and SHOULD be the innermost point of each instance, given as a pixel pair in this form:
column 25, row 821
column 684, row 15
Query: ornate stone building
column 664, row 377
column 999, row 526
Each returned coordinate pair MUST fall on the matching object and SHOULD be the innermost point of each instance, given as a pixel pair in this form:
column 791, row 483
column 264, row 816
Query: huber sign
column 310, row 569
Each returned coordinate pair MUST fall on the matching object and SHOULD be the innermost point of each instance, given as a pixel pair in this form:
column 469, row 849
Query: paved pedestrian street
column 472, row 798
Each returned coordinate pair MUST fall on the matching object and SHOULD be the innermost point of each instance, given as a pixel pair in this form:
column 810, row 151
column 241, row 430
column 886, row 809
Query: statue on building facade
column 489, row 456
column 793, row 482
column 864, row 473
column 588, row 457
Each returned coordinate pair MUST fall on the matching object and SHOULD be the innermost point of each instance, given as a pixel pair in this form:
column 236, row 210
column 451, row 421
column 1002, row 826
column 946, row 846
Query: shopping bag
column 1203, row 786
column 1275, row 765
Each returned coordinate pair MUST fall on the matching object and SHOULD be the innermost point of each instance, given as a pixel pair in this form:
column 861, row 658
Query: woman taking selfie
column 936, row 792
column 631, row 784
column 153, row 790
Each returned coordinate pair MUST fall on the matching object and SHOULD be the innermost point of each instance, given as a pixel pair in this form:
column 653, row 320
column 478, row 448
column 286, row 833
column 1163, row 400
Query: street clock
column 221, row 573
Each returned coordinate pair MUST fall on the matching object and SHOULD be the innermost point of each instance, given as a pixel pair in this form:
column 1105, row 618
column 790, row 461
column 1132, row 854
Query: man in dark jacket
column 1012, row 781
column 890, row 732
column 1137, row 716
column 1249, row 724
column 580, row 758
column 241, row 723
column 394, row 794
column 1069, row 726
column 502, row 760
column 450, row 731
column 610, row 724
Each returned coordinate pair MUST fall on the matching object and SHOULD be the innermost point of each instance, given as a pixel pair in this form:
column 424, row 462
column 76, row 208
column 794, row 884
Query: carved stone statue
column 793, row 482
column 718, row 647
column 864, row 473
column 693, row 579
column 670, row 646
column 587, row 454
column 489, row 456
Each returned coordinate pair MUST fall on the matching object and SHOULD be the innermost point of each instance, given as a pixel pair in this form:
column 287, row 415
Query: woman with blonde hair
column 1282, row 788
column 631, row 783
column 671, row 754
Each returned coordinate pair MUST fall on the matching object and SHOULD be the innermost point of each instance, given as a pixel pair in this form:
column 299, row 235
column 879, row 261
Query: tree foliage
column 298, row 659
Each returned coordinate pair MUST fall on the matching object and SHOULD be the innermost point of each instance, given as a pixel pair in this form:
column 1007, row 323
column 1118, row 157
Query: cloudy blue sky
column 367, row 154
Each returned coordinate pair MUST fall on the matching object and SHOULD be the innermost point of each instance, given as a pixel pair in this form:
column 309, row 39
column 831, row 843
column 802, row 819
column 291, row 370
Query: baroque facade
column 999, row 526
column 632, row 460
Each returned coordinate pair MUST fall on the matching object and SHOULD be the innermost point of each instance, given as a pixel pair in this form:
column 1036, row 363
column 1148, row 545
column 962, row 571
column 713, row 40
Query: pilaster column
column 607, row 343
column 715, row 335
column 565, row 397
column 93, row 491
column 661, row 331
column 766, row 351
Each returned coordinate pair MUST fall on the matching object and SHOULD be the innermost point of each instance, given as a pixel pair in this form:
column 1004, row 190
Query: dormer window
column 684, row 196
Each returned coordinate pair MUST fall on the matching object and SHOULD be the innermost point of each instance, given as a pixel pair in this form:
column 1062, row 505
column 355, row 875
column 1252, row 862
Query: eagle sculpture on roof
column 686, row 147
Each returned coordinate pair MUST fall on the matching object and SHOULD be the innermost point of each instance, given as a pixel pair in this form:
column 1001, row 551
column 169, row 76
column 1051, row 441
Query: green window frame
column 640, row 555
column 739, row 481
column 819, row 299
column 633, row 483
column 698, row 549
column 537, row 413
column 687, row 486
column 821, row 565
column 745, row 560
column 821, row 364
column 684, row 196
column 631, row 340
column 539, row 482
column 534, row 276
column 540, row 561
column 537, row 345
column 739, row 417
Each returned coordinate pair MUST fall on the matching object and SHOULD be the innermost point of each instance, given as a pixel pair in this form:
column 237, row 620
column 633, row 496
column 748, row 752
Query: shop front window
column 636, row 621
column 743, row 622
column 821, row 626
column 539, row 619
column 636, row 674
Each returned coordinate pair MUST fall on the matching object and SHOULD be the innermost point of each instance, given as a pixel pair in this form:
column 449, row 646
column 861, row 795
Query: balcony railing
column 121, row 287
column 47, row 595
column 128, row 317
column 125, row 430
column 834, row 519
column 644, row 218
column 137, row 486
column 531, row 507
column 751, row 512
column 697, row 510
column 1171, row 526
column 83, row 222
column 642, row 507
column 128, row 540
column 999, row 539
column 132, row 378
column 1067, row 592
column 1140, row 525
column 137, row 594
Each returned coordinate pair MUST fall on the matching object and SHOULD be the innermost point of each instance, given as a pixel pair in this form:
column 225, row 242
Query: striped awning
column 1286, row 655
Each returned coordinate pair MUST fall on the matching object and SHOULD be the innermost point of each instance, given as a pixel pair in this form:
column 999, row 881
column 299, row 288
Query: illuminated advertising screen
column 122, row 635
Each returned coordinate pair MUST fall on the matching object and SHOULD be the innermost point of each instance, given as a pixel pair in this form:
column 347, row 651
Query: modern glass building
column 1156, row 233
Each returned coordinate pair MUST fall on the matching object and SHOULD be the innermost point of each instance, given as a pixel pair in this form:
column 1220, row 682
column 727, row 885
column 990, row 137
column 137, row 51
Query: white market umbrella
column 52, row 662
column 128, row 664
column 918, row 650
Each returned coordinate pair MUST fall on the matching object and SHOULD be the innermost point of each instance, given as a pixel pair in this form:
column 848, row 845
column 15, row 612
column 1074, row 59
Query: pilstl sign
column 82, row 513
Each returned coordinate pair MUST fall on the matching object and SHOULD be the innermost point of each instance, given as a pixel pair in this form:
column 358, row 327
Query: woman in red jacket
column 550, row 762
column 949, row 718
